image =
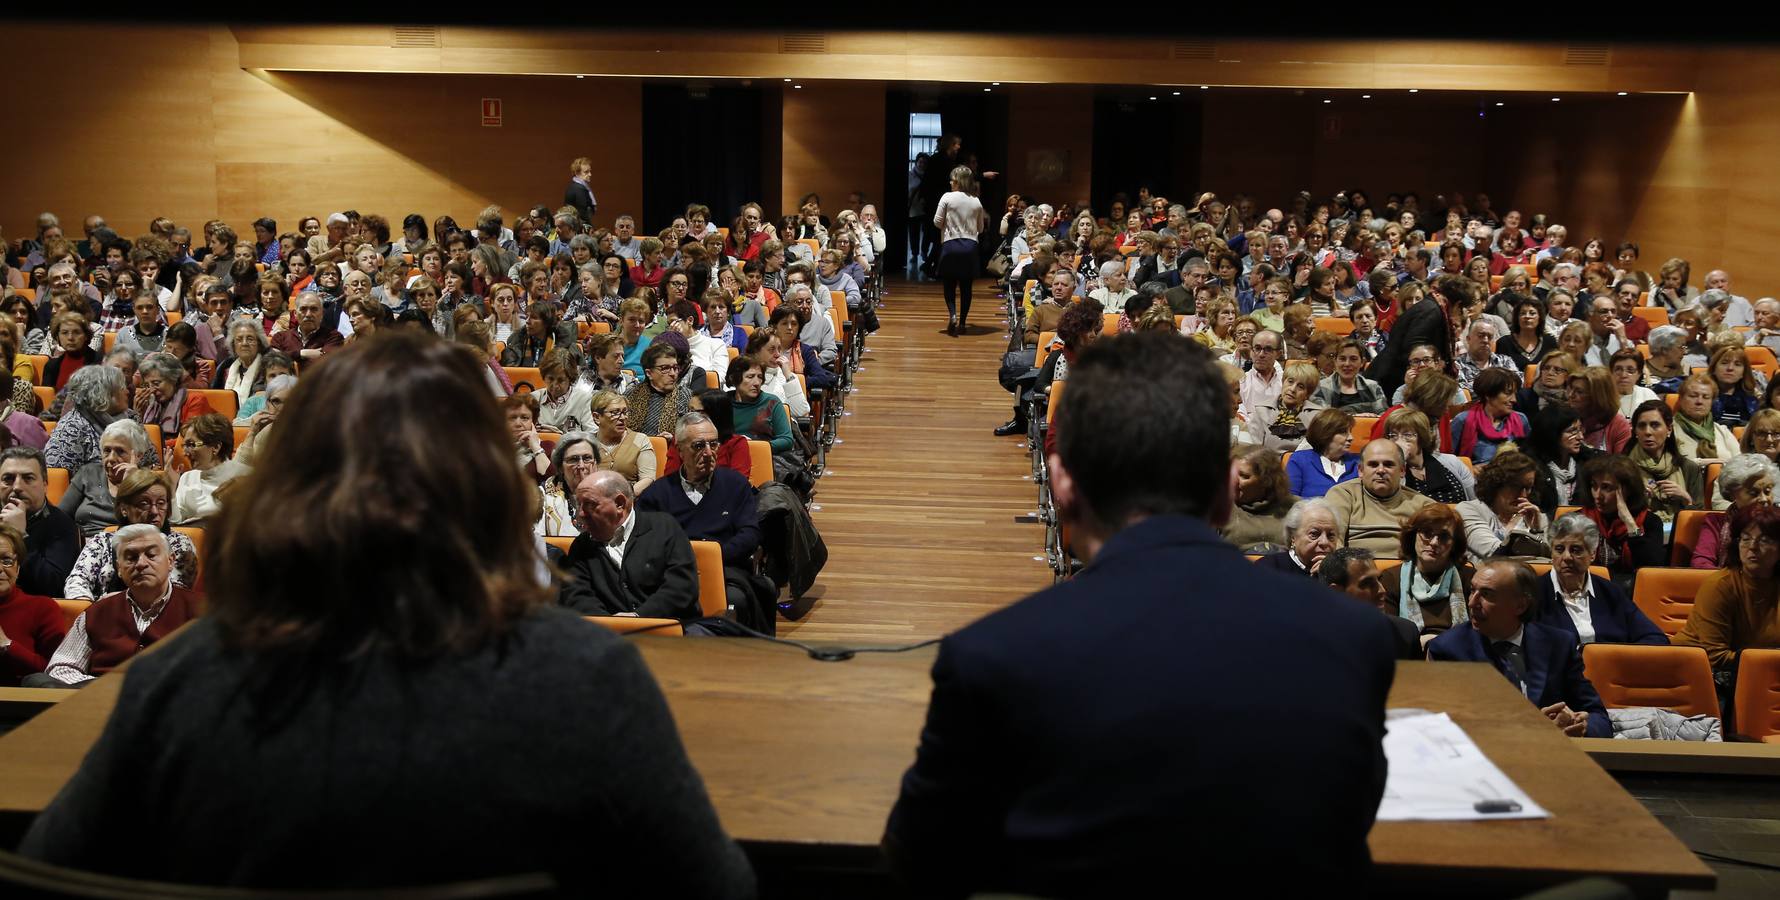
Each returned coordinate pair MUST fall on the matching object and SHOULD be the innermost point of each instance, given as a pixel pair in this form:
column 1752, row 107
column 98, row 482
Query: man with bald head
column 1373, row 507
column 1739, row 313
column 627, row 562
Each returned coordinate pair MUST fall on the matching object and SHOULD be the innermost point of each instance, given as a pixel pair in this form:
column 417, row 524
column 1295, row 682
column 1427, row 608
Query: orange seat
column 25, row 292
column 1363, row 426
column 1044, row 343
column 173, row 318
column 1495, row 283
column 1109, row 325
column 1712, row 471
column 1657, row 316
column 1532, row 373
column 760, row 462
column 1666, row 595
column 242, row 433
column 71, row 609
column 38, row 361
column 560, row 543
column 661, row 452
column 525, row 380
column 1054, row 400
column 724, row 232
column 1757, row 704
column 1762, row 359
column 599, row 327
column 1738, row 431
column 224, row 403
column 630, row 624
column 713, row 598
column 107, row 342
column 45, row 395
column 811, row 243
column 1687, row 535
column 711, row 382
column 583, row 330
column 196, row 536
column 58, row 484
column 1335, row 324
column 1563, row 511
column 1672, row 678
column 1672, row 399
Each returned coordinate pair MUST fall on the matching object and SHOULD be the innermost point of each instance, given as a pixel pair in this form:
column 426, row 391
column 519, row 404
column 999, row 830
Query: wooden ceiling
column 972, row 58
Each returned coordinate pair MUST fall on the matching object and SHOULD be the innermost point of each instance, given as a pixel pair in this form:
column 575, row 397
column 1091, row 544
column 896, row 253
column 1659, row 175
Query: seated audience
column 1373, row 507
column 1748, row 480
column 1540, row 660
column 714, row 504
column 1431, row 393
column 659, row 399
column 1761, row 435
column 275, row 364
column 1430, row 585
column 1672, row 482
column 718, row 405
column 118, row 625
column 164, row 398
column 1057, row 826
column 1596, row 401
column 1481, row 429
column 1279, row 424
column 1348, row 390
column 209, row 443
column 1697, row 435
column 1354, row 572
column 344, row 592
column 142, row 499
column 756, row 414
column 1627, row 367
column 244, row 370
column 1263, row 499
column 622, row 450
column 604, row 369
column 1504, row 520
column 627, row 561
column 634, row 315
column 147, row 329
column 31, row 626
column 1326, row 462
column 92, row 490
column 1441, row 477
column 310, row 337
column 1592, row 608
column 73, row 350
column 1613, row 497
column 97, row 396
column 1530, row 341
column 1738, row 607
column 51, row 537
column 1311, row 533
column 521, row 413
column 1556, row 444
column 259, row 425
column 574, row 458
column 1739, row 387
column 563, row 403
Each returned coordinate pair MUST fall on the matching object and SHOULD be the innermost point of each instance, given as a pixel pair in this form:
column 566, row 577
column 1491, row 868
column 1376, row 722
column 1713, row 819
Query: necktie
column 1513, row 663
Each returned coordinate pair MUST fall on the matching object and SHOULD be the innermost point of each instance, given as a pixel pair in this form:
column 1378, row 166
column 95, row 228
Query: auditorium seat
column 1666, row 595
column 711, row 381
column 560, row 543
column 45, row 395
column 1335, row 324
column 1672, row 678
column 107, row 342
column 1762, row 359
column 815, row 248
column 661, row 452
column 1544, row 569
column 225, row 403
column 1757, row 704
column 1712, row 471
column 1363, row 426
column 38, row 361
column 713, row 598
column 1109, row 325
column 71, row 609
column 525, row 380
column 1687, row 535
column 760, row 462
column 58, row 484
column 1657, row 316
column 629, row 624
column 1044, row 345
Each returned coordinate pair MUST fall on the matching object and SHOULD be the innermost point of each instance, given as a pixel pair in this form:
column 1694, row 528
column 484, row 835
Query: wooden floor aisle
column 918, row 507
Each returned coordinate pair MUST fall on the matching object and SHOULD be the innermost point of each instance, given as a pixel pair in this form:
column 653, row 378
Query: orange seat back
column 1672, row 678
column 1657, row 316
column 711, row 380
column 560, row 543
column 45, row 395
column 1335, row 324
column 811, row 243
column 1762, row 359
column 1666, row 595
column 760, row 462
column 71, row 609
column 58, row 484
column 38, row 361
column 224, row 403
column 1055, row 400
column 713, row 598
column 107, row 342
column 661, row 451
column 1109, row 324
column 629, row 624
column 1757, row 703
column 1712, row 471
column 1687, row 535
column 1544, row 569
column 525, row 380
column 1363, row 426
column 1044, row 343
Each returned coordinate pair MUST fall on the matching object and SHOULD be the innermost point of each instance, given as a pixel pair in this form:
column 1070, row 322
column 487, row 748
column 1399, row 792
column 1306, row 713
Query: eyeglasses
column 1767, row 435
column 678, row 282
column 156, row 505
column 1758, row 541
column 705, row 446
column 1260, row 349
column 617, row 412
column 1423, row 361
column 665, row 368
column 579, row 459
column 1435, row 537
column 9, row 562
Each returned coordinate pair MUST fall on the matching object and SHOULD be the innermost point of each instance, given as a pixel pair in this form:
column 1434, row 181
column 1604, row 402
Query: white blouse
column 959, row 216
column 195, row 497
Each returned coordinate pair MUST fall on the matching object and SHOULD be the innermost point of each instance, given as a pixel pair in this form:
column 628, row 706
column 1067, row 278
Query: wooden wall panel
column 833, row 143
column 1053, row 117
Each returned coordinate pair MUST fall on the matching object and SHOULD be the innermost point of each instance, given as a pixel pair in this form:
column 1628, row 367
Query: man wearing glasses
column 715, row 504
column 1261, row 384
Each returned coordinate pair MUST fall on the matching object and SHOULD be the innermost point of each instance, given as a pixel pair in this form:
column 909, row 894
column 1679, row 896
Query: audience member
column 118, row 625
column 51, row 537
column 1327, row 461
column 209, row 443
column 1614, row 498
column 1354, row 572
column 1698, row 436
column 1504, row 521
column 714, row 504
column 1592, row 608
column 1441, row 477
column 1346, row 389
column 31, row 626
column 1373, row 508
column 1540, row 660
column 626, row 561
column 90, row 497
column 143, row 499
column 1672, row 481
column 1312, row 532
column 97, row 396
column 1596, row 401
column 1280, row 425
column 571, row 461
column 1430, row 585
column 1263, row 500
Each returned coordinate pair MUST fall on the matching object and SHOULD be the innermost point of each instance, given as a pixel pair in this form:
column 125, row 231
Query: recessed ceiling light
column 996, row 83
column 985, row 90
column 1622, row 93
column 1500, row 103
column 798, row 86
column 1328, row 101
column 1177, row 93
column 1205, row 87
column 1415, row 90
column 1556, row 99
column 1152, row 98
column 787, row 81
column 1365, row 96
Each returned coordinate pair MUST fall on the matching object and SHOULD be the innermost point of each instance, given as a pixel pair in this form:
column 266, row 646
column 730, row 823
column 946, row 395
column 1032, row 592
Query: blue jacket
column 1305, row 471
column 1617, row 620
column 727, row 513
column 1082, row 734
column 1554, row 668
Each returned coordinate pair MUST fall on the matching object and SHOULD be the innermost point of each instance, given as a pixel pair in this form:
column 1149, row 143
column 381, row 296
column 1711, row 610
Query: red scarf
column 1477, row 422
column 1615, row 535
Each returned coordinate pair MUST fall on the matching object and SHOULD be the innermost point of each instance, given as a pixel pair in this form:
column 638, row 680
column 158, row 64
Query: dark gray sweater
column 554, row 753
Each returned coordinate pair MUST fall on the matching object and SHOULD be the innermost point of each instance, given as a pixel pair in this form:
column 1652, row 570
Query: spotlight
column 1415, row 90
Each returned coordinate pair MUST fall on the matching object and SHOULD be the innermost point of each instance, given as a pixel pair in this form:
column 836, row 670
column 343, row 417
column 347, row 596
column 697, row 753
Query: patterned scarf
column 1415, row 590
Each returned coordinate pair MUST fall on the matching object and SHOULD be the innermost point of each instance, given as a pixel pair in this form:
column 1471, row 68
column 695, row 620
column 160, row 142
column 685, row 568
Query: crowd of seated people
column 1518, row 399
column 163, row 334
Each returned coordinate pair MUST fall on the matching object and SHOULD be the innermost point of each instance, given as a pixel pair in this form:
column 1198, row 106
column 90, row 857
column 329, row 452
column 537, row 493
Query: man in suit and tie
column 628, row 562
column 1543, row 662
column 1095, row 730
column 1423, row 323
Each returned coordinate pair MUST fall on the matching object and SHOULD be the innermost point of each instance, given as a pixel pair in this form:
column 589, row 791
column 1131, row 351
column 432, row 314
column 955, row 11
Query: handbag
column 998, row 265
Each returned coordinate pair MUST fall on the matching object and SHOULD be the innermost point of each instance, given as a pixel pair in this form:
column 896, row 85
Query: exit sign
column 491, row 112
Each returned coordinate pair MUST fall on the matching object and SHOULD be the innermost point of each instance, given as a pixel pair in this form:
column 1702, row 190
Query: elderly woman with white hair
column 1747, row 479
column 1115, row 289
column 164, row 399
column 97, row 396
column 243, row 370
column 91, row 497
column 142, row 499
column 1312, row 533
column 1665, row 368
column 1588, row 606
column 260, row 425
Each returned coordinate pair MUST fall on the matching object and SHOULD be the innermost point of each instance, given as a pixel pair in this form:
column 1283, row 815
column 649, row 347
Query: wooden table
column 803, row 759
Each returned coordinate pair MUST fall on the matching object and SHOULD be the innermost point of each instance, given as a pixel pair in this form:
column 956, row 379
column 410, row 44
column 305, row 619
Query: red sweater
column 35, row 626
column 111, row 627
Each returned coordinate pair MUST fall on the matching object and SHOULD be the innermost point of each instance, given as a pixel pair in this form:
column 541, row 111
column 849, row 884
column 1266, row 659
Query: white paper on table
column 1437, row 774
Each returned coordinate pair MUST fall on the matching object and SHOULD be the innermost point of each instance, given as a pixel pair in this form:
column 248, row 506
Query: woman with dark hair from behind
column 363, row 652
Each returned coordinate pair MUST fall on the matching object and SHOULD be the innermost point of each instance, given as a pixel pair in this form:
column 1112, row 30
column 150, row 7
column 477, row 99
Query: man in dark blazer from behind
column 657, row 577
column 1544, row 662
column 1423, row 323
column 1094, row 731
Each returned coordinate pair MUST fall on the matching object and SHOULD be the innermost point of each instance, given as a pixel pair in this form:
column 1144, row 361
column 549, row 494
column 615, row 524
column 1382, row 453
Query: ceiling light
column 1622, row 93
column 996, row 83
column 1205, row 87
column 1500, row 103
column 798, row 86
column 1177, row 93
column 1328, row 101
column 1365, row 96
column 986, row 90
column 787, row 81
column 1415, row 90
column 1556, row 99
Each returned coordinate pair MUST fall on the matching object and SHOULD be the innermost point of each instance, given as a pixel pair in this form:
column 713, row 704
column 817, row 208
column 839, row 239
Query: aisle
column 919, row 504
